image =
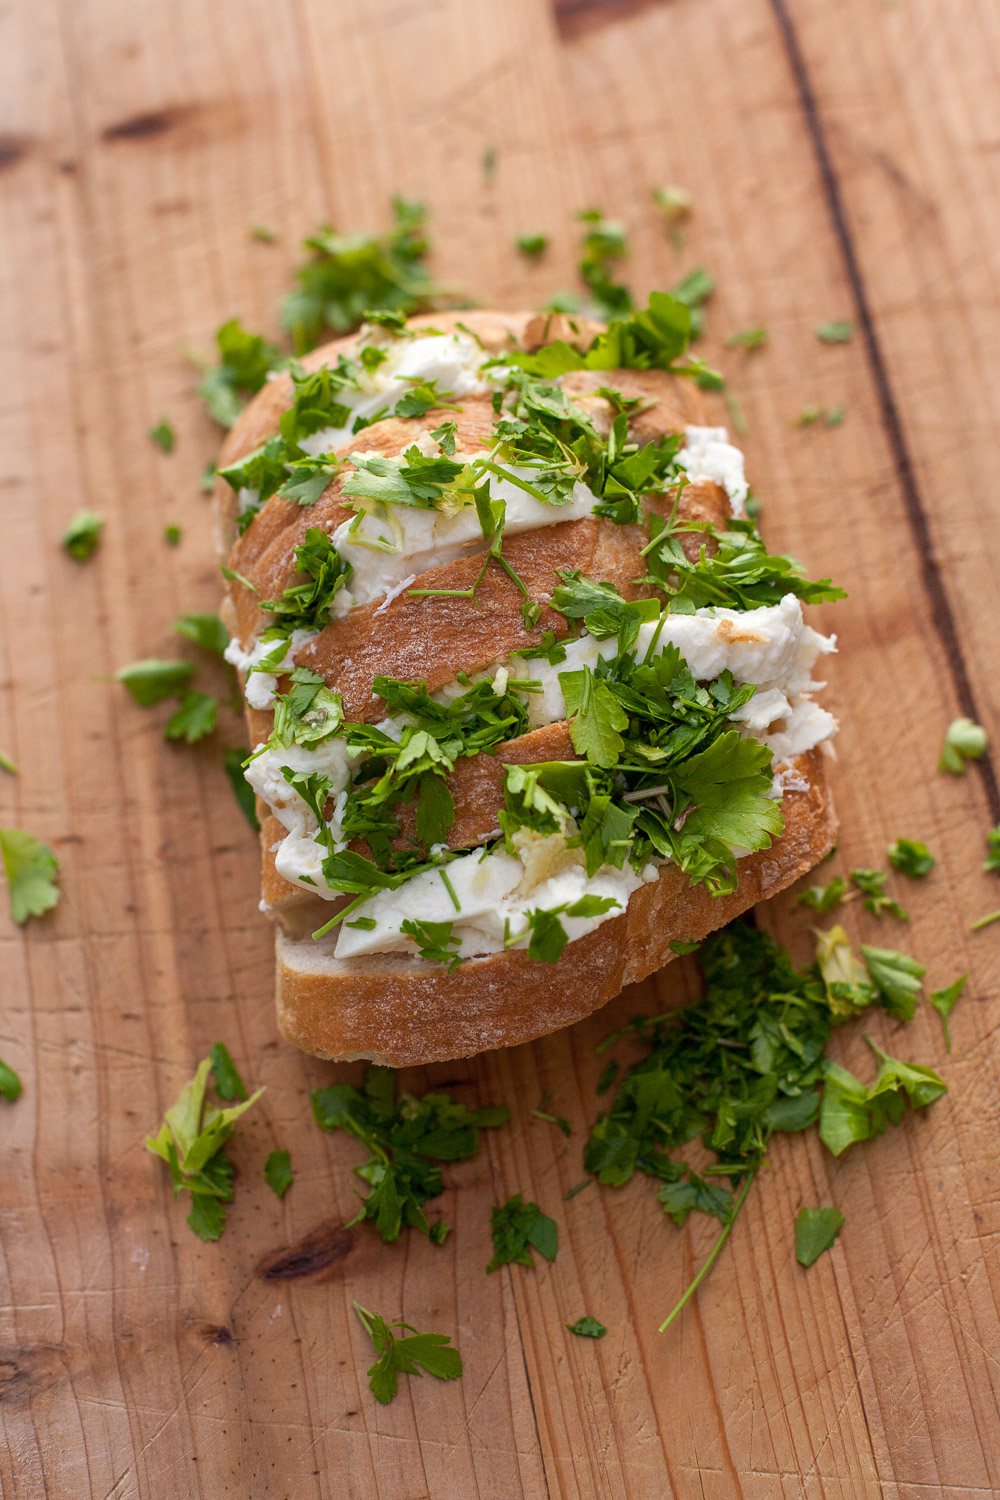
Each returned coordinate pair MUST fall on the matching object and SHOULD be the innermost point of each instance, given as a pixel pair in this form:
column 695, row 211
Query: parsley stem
column 993, row 916
column 713, row 1253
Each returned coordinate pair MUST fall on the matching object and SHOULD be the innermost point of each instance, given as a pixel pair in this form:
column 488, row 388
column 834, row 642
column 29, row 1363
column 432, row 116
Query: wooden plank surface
column 844, row 163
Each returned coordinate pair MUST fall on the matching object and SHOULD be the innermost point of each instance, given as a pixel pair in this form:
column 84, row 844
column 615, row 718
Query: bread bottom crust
column 402, row 1011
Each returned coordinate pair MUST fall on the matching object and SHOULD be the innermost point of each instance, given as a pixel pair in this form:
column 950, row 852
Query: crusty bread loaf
column 403, row 1010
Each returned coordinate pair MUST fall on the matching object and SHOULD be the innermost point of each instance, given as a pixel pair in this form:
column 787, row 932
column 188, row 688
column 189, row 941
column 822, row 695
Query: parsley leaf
column 532, row 245
column 675, row 202
column 192, row 1141
column 83, row 535
column 815, row 1231
column 163, row 436
column 172, row 535
column 587, row 1328
column 228, row 1083
column 278, row 1172
column 748, row 338
column 193, row 719
column 824, row 897
column 897, row 978
column 834, row 333
column 8, row 765
column 911, row 858
column 871, row 883
column 992, row 860
column 30, row 867
column 965, row 740
column 206, row 631
column 245, row 361
column 10, row 1083
column 242, row 790
column 403, row 1137
column 151, row 680
column 306, row 606
column 943, row 1002
column 432, row 1351
column 595, row 717
column 434, row 940
column 519, row 1227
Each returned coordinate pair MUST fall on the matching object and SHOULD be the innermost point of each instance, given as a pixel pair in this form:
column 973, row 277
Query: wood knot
column 317, row 1251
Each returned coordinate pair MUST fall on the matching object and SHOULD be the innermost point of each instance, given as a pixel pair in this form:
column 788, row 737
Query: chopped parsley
column 815, row 1231
column 965, row 740
column 518, row 1228
column 911, row 858
column 943, row 1002
column 8, row 765
column 10, row 1083
column 748, row 338
column 206, row 631
column 434, row 940
column 604, row 243
column 193, row 719
column 192, row 1141
column 245, row 361
column 834, row 332
column 739, row 574
column 83, row 535
column 694, row 291
column 396, row 1355
column 163, row 436
column 172, row 535
column 532, row 245
column 743, row 1063
column 349, row 275
column 871, row 884
column 824, row 897
column 987, row 921
column 151, row 680
column 543, row 1113
column 896, row 978
column 264, row 233
column 228, row 1083
column 404, row 1137
column 30, row 867
column 587, row 1328
column 233, row 761
column 992, row 860
column 674, row 201
column 278, row 1172
column 306, row 606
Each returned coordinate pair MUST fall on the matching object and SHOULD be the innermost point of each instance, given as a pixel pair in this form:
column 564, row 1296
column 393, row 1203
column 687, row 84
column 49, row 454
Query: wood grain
column 843, row 159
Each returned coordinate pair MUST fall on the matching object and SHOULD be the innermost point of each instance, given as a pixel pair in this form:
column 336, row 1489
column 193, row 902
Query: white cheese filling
column 495, row 894
column 708, row 454
column 771, row 647
column 261, row 686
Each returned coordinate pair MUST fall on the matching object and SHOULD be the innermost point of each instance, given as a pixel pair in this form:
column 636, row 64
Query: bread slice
column 402, row 1010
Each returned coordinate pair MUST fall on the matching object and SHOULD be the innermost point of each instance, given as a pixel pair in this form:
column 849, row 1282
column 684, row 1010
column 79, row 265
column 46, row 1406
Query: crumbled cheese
column 262, row 686
column 708, row 454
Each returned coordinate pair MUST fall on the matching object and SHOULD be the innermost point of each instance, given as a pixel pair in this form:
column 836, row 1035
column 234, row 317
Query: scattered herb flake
column 151, row 680
column 532, row 245
column 543, row 1113
column 83, row 535
column 519, row 1227
column 911, row 858
column 835, row 415
column 206, row 480
column 992, row 860
column 206, row 631
column 228, row 1083
column 31, row 868
column 278, row 1172
column 748, row 338
column 172, row 534
column 808, row 415
column 834, row 333
column 871, row 884
column 396, row 1356
column 824, row 897
column 815, row 1231
column 896, row 978
column 264, row 233
column 987, row 921
column 587, row 1328
column 163, row 436
column 10, row 1083
column 193, row 719
column 943, row 1002
column 8, row 765
column 965, row 740
column 675, row 201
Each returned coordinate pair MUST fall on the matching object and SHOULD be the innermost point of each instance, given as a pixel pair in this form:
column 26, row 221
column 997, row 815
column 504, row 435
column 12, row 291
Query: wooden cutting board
column 843, row 159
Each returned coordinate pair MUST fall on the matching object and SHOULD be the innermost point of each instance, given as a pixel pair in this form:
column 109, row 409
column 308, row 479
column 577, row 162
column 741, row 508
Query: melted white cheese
column 494, row 895
column 261, row 686
column 708, row 454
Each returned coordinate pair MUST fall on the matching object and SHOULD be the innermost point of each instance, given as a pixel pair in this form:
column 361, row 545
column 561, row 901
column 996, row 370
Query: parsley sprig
column 396, row 1355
